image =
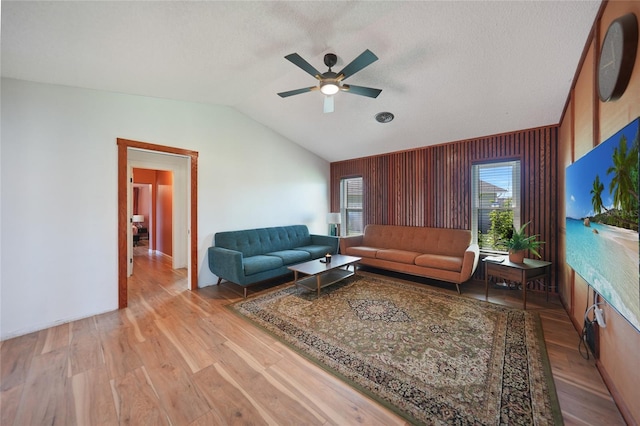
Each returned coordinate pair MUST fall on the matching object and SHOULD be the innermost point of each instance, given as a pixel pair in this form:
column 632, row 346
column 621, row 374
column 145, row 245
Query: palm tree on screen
column 621, row 185
column 596, row 192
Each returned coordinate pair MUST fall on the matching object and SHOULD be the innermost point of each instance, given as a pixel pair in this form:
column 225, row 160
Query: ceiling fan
column 331, row 82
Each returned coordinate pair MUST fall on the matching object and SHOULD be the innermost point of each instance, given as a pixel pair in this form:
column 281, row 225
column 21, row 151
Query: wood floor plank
column 210, row 418
column 82, row 326
column 134, row 324
column 244, row 335
column 184, row 304
column 9, row 402
column 340, row 404
column 45, row 395
column 157, row 350
column 53, row 338
column 85, row 351
column 136, row 401
column 15, row 360
column 249, row 375
column 120, row 357
column 576, row 401
column 229, row 404
column 200, row 329
column 111, row 321
column 235, row 329
column 187, row 343
column 93, row 399
column 180, row 398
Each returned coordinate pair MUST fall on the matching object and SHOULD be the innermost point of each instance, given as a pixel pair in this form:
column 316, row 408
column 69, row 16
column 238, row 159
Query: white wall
column 59, row 191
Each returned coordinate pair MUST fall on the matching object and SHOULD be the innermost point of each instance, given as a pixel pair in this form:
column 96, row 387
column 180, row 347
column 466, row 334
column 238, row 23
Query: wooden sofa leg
column 219, row 281
column 458, row 288
column 245, row 292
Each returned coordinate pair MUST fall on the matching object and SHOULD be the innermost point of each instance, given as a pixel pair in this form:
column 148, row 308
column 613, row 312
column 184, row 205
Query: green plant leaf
column 519, row 240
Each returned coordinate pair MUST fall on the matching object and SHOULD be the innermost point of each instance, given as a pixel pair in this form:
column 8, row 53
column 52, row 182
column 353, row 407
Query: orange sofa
column 437, row 253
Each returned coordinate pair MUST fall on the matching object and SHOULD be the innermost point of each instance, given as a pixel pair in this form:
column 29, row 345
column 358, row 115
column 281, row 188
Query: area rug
column 432, row 357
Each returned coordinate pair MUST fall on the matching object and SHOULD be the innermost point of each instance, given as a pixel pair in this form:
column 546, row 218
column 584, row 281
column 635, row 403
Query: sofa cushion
column 449, row 263
column 291, row 256
column 260, row 263
column 316, row 251
column 402, row 256
column 362, row 251
column 252, row 242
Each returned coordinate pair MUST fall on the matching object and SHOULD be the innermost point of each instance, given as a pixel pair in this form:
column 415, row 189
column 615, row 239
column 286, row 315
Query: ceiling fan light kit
column 330, row 82
column 329, row 87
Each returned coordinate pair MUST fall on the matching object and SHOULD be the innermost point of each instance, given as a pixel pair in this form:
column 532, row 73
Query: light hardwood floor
column 180, row 357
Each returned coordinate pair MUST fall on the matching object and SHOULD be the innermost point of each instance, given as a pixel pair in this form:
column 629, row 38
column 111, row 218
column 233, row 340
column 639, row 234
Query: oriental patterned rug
column 432, row 357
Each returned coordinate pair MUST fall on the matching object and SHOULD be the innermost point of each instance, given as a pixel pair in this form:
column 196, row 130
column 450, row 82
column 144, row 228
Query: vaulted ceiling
column 448, row 70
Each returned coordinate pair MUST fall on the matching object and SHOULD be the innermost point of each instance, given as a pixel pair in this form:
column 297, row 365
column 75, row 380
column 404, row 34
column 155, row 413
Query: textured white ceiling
column 448, row 70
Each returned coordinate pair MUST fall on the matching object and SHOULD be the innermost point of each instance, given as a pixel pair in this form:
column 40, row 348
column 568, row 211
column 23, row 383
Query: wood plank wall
column 431, row 186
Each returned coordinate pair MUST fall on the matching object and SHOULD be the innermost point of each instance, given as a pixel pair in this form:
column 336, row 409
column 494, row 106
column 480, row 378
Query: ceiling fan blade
column 328, row 104
column 301, row 63
column 366, row 58
column 297, row 91
column 359, row 90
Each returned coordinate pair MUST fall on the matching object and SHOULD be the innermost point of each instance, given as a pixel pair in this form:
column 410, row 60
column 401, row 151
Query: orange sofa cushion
column 401, row 256
column 362, row 251
column 448, row 263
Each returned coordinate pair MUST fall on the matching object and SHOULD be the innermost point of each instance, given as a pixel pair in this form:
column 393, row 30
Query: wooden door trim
column 123, row 223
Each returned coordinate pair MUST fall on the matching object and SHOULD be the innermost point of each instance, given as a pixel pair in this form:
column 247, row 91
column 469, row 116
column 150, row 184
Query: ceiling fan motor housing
column 330, row 59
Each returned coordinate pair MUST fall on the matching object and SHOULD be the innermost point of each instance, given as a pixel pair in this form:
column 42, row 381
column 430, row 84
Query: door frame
column 123, row 219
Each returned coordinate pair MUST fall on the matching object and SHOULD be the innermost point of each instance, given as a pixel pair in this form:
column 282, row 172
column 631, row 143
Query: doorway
column 125, row 147
column 159, row 205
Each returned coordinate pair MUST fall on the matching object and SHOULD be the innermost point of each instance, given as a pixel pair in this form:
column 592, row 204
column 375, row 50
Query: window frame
column 476, row 197
column 345, row 230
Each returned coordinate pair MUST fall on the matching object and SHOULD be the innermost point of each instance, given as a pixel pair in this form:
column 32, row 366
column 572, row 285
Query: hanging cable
column 583, row 335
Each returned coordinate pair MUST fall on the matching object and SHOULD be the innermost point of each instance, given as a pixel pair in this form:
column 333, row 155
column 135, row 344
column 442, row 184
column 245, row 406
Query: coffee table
column 323, row 274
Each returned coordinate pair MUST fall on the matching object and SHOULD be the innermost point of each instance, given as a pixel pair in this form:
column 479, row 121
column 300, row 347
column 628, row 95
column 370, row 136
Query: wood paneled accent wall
column 431, row 186
column 587, row 122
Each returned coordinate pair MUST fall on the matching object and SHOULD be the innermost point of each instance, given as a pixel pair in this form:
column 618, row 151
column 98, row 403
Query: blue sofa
column 249, row 256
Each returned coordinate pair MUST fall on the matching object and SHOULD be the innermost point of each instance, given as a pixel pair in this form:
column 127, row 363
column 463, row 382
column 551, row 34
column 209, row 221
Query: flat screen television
column 602, row 221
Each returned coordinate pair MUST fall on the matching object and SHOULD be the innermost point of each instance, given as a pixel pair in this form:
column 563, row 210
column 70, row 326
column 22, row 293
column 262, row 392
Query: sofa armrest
column 469, row 262
column 226, row 264
column 326, row 240
column 352, row 241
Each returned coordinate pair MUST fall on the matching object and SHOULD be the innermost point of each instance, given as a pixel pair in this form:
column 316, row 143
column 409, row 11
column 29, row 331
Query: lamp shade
column 137, row 218
column 333, row 218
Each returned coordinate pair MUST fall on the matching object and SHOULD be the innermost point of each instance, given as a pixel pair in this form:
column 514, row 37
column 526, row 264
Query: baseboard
column 43, row 326
column 159, row 253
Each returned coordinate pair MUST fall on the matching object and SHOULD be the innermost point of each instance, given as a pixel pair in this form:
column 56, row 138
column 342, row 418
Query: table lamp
column 333, row 219
column 138, row 219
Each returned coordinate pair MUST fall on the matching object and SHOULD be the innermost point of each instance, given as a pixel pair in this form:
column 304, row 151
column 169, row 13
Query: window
column 495, row 203
column 351, row 206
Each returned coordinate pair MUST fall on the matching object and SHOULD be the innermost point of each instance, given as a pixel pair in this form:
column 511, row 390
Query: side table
column 522, row 273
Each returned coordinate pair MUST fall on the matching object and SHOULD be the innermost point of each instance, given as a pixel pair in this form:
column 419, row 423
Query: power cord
column 583, row 335
column 583, row 340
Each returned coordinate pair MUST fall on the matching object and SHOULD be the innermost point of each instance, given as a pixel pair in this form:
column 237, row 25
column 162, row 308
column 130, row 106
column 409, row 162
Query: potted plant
column 519, row 242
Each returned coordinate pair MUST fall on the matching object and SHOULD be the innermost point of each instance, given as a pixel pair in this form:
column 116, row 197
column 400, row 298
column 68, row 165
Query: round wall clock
column 617, row 57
